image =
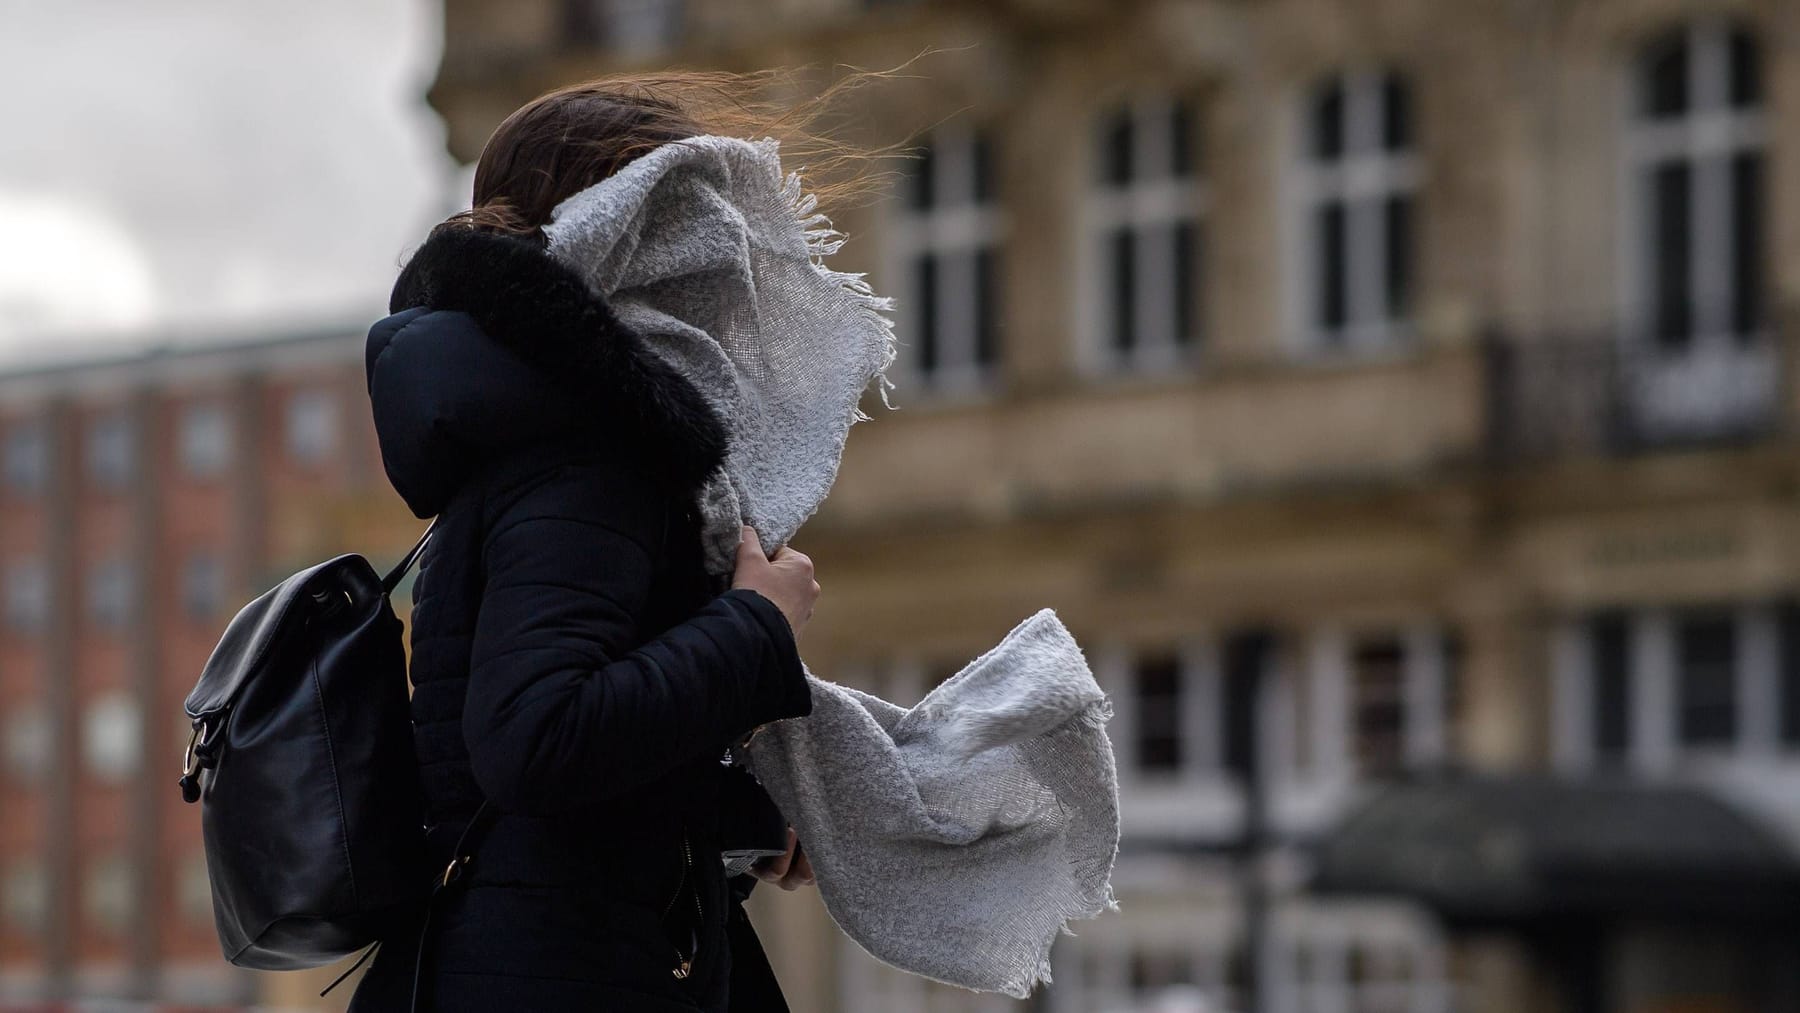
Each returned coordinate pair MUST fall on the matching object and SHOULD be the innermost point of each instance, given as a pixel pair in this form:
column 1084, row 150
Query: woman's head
column 567, row 140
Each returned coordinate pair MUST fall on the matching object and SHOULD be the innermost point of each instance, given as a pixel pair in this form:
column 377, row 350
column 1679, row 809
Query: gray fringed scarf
column 954, row 839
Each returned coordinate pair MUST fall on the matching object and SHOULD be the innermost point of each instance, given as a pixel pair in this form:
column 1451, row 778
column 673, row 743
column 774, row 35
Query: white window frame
column 1142, row 205
column 202, row 585
column 954, row 226
column 27, row 595
column 1200, row 726
column 30, row 742
column 312, row 426
column 27, row 457
column 25, row 895
column 111, row 593
column 1425, row 675
column 1705, row 138
column 110, row 450
column 206, row 439
column 637, row 28
column 112, row 737
column 1363, row 177
column 1653, row 675
column 109, row 894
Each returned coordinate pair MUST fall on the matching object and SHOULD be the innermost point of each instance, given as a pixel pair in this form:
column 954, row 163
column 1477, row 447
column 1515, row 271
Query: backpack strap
column 460, row 857
column 400, row 570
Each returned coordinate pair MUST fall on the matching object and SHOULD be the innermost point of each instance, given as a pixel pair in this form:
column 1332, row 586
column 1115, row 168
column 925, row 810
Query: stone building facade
column 1386, row 391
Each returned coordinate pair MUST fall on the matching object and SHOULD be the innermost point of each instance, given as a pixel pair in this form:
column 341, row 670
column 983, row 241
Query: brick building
column 142, row 500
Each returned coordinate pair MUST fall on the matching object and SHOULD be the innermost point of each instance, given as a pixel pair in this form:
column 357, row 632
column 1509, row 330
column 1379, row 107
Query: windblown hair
column 566, row 140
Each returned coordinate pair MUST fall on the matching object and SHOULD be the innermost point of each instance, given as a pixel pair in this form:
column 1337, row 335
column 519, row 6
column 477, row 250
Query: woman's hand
column 791, row 871
column 787, row 580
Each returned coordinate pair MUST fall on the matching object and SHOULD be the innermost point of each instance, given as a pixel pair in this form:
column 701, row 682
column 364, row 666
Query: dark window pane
column 1328, row 121
column 1671, row 234
column 1706, row 678
column 987, row 319
column 1115, row 145
column 1399, row 256
column 1187, row 283
column 1746, row 69
column 1181, row 138
column 1245, row 664
column 925, row 291
column 1789, row 620
column 1665, row 83
column 1123, row 250
column 1747, row 243
column 1378, row 707
column 1611, row 644
column 982, row 158
column 1332, row 269
column 1157, row 688
column 1396, row 113
column 921, row 182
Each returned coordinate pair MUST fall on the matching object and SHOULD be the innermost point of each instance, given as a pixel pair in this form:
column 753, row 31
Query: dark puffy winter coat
column 572, row 662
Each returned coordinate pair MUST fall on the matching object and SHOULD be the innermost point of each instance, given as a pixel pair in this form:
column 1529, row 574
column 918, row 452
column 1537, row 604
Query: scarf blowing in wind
column 955, row 839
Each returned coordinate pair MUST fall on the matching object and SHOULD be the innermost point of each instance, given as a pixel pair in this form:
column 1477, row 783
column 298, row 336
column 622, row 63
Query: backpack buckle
column 454, row 870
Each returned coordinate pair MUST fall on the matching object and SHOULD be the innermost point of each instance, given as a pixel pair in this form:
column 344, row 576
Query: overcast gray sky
column 209, row 165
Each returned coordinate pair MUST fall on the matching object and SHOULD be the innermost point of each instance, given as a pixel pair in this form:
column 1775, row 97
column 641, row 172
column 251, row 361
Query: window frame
column 197, row 453
column 1363, row 178
column 1140, row 208
column 296, row 414
column 1705, row 139
column 959, row 222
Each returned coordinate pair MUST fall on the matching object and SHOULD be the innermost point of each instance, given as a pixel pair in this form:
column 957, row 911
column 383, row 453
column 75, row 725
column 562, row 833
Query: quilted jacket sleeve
column 564, row 707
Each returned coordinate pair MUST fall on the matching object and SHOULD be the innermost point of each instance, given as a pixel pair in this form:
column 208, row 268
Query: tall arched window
column 1356, row 183
column 1696, row 165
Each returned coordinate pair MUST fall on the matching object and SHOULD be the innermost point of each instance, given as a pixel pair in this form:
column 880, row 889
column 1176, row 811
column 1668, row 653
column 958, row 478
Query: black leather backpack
column 302, row 756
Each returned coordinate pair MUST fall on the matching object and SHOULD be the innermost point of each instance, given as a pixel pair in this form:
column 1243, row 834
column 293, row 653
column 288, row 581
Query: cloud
column 262, row 160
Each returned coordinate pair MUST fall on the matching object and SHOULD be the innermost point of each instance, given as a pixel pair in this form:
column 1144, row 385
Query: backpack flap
column 246, row 646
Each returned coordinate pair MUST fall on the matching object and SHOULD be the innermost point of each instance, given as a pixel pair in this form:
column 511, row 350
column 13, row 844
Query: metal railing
column 1560, row 396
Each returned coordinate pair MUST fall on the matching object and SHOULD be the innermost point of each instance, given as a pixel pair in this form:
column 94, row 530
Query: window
column 1156, row 683
column 205, row 440
column 112, row 736
column 1146, row 209
column 28, row 742
column 27, row 458
column 27, row 595
column 109, row 594
column 110, row 451
column 1706, row 679
column 25, row 896
column 1788, row 676
column 312, row 426
column 108, row 895
column 1696, row 157
column 1610, row 641
column 202, row 586
column 632, row 27
column 946, row 238
column 193, row 892
column 1246, row 673
column 1378, row 705
column 1356, row 190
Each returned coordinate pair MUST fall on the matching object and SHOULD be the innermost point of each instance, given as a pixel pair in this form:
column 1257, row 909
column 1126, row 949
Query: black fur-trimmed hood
column 493, row 345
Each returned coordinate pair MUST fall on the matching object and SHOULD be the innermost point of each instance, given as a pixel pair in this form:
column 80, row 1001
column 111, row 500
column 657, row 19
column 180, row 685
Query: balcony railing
column 1561, row 396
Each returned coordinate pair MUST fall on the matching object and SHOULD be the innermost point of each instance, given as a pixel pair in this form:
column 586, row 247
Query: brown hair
column 566, row 140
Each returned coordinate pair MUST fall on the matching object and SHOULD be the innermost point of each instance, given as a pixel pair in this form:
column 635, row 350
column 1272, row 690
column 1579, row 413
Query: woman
column 574, row 666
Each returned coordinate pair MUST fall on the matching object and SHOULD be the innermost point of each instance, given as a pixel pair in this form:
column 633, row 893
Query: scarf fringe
column 823, row 240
